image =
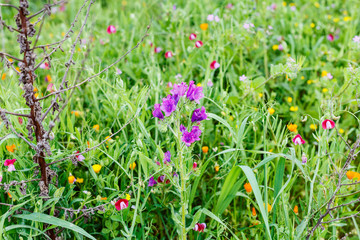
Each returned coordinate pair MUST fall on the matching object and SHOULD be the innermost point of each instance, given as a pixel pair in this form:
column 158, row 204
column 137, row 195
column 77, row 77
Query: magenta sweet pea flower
column 161, row 179
column 192, row 36
column 157, row 112
column 214, row 65
column 168, row 105
column 1, row 178
column 328, row 124
column 194, row 166
column 121, row 204
column 199, row 115
column 194, row 93
column 44, row 65
column 168, row 54
column 199, row 44
column 111, row 29
column 200, row 227
column 10, row 164
column 80, row 157
column 152, row 182
column 330, row 37
column 187, row 138
column 157, row 49
column 167, row 157
column 298, row 140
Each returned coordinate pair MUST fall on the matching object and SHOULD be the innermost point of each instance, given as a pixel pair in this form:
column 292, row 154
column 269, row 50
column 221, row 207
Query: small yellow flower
column 11, row 148
column 96, row 127
column 62, row 34
column 108, row 138
column 97, row 168
column 128, row 197
column 347, row 18
column 289, row 99
column 132, row 166
column 341, row 130
column 36, row 95
column 296, row 24
column 231, row 118
column 271, row 111
column 51, row 35
column 329, row 17
column 271, row 150
column 199, row 84
column 217, row 168
column 35, row 89
column 324, row 90
column 292, row 127
column 316, row 4
column 17, row 69
column 10, row 60
column 80, row 180
column 275, row 47
column 3, row 76
column 76, row 113
column 71, row 179
column 294, row 108
column 312, row 25
column 324, row 73
column 204, row 26
column 261, row 95
column 284, row 4
column 205, row 149
column 313, row 126
column 309, row 82
column 336, row 20
column 292, row 4
column 302, row 77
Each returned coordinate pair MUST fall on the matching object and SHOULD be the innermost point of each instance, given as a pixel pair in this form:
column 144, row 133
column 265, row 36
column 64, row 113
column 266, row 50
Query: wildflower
column 80, row 180
column 195, row 166
column 128, row 197
column 198, row 44
column 1, row 177
column 161, row 179
column 199, row 227
column 132, row 166
column 260, row 96
column 341, row 130
column 347, row 18
column 329, row 76
column 11, row 148
column 108, row 138
column 217, row 19
column 157, row 49
column 80, row 157
column 71, row 179
column 304, row 158
column 192, row 36
column 96, row 168
column 217, row 168
column 330, row 37
column 157, row 112
column 152, row 182
column 121, row 204
column 168, row 54
column 253, row 212
column 44, row 65
column 275, row 47
column 205, row 149
column 179, row 90
column 118, row 71
column 247, row 26
column 3, row 76
column 324, row 73
column 167, row 156
column 309, row 82
column 324, row 90
column 289, row 99
column 298, row 140
column 356, row 39
column 103, row 198
column 312, row 25
column 350, row 174
column 9, row 195
column 96, row 127
column 204, row 26
column 328, row 124
column 76, row 113
column 111, row 29
column 271, row 111
column 214, row 65
column 281, row 47
column 199, row 115
column 294, row 108
column 10, row 164
column 210, row 18
column 210, row 84
column 229, row 6
column 242, row 78
column 168, row 105
column 190, row 137
column 269, row 207
column 296, row 210
column 48, row 78
column 194, row 93
column 248, row 187
column 292, row 127
column 317, row 5
column 50, row 87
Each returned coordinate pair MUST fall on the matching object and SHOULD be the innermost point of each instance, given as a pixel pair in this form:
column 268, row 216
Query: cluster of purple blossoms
column 189, row 137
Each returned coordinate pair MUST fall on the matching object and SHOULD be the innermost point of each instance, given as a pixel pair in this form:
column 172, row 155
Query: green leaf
column 216, row 117
column 213, row 216
column 39, row 217
column 12, row 227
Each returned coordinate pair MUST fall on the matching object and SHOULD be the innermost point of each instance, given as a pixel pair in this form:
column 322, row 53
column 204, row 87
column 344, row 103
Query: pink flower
column 356, row 39
column 50, row 87
column 20, row 120
column 281, row 47
column 330, row 37
column 121, row 204
column 111, row 29
column 168, row 54
column 229, row 6
column 198, row 44
column 0, row 178
column 200, row 227
column 329, row 76
column 298, row 140
column 214, row 65
column 210, row 18
column 10, row 164
column 194, row 166
column 242, row 78
column 328, row 124
column 192, row 36
column 80, row 157
column 157, row 49
column 217, row 19
column 210, row 84
column 44, row 65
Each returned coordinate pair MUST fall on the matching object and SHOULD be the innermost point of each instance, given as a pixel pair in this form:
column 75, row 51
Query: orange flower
column 204, row 26
column 269, row 207
column 253, row 212
column 357, row 176
column 217, row 167
column 9, row 195
column 248, row 187
column 350, row 174
column 103, row 198
column 205, row 149
column 96, row 127
column 3, row 76
column 296, row 209
column 292, row 127
column 11, row 148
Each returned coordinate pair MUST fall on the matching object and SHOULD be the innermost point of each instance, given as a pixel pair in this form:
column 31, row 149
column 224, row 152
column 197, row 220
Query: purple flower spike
column 194, row 93
column 179, row 89
column 168, row 105
column 196, row 132
column 167, row 157
column 182, row 128
column 199, row 115
column 189, row 137
column 157, row 112
column 152, row 182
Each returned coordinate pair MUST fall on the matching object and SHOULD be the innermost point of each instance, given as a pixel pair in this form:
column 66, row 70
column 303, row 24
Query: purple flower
column 179, row 89
column 189, row 137
column 152, row 182
column 196, row 132
column 157, row 112
column 167, row 157
column 210, row 84
column 168, row 105
column 182, row 128
column 199, row 115
column 194, row 93
column 161, row 179
column 175, row 174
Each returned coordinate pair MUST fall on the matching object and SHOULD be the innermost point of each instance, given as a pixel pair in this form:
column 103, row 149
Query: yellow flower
column 292, row 127
column 350, row 174
column 271, row 111
column 341, row 130
column 132, row 166
column 10, row 60
column 204, row 26
column 11, row 148
column 217, row 168
column 128, row 197
column 302, row 77
column 231, row 118
column 199, row 84
column 62, row 33
column 96, row 127
column 347, row 18
column 108, row 138
column 284, row 4
column 313, row 126
column 3, row 76
column 51, row 35
column 248, row 187
column 261, row 95
column 296, row 209
column 336, row 20
column 205, row 149
column 124, row 3
column 76, row 113
column 289, row 99
column 316, row 4
column 17, row 69
column 36, row 95
column 97, row 168
column 71, row 179
column 48, row 78
column 329, row 17
column 271, row 150
column 275, row 47
column 309, row 82
column 294, row 108
column 80, row 180
column 324, row 73
column 324, row 90
column 312, row 25
column 296, row 24
column 269, row 207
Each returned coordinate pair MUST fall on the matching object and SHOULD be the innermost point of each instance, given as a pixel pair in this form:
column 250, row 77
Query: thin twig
column 9, row 5
column 10, row 56
column 342, row 218
column 45, row 8
column 15, row 114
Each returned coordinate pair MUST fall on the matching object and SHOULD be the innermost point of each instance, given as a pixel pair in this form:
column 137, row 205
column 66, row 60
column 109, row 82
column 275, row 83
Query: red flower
column 214, row 65
column 111, row 29
column 328, row 124
column 121, row 204
column 168, row 54
column 198, row 44
column 192, row 36
column 200, row 227
column 298, row 140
